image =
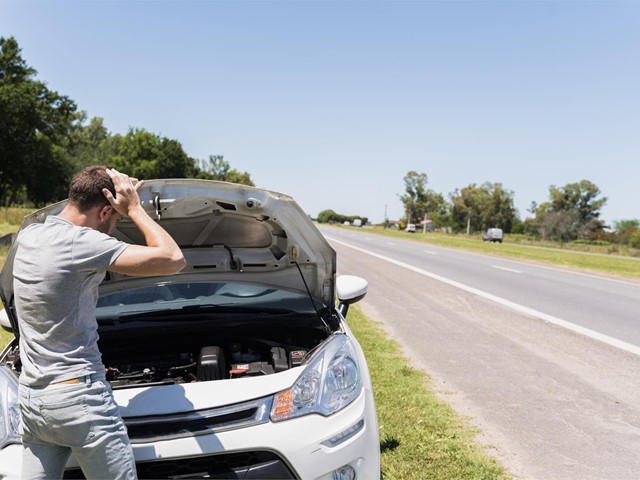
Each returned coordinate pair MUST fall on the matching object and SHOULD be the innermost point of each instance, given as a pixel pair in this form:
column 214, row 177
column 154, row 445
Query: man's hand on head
column 161, row 255
column 126, row 189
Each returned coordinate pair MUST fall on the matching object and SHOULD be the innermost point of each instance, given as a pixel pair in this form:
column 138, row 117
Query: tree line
column 571, row 213
column 45, row 139
column 329, row 216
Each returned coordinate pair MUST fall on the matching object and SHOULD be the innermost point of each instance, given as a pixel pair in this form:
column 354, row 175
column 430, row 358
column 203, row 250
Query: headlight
column 9, row 409
column 330, row 382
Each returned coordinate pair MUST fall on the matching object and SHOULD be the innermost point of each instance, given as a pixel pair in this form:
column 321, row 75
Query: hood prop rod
column 313, row 304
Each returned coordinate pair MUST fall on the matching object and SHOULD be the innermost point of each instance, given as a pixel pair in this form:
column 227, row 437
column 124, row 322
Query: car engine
column 176, row 353
column 209, row 363
column 182, row 355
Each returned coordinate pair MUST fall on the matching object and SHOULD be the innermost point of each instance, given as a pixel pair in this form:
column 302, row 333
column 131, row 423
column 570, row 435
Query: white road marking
column 506, row 269
column 614, row 342
column 430, row 252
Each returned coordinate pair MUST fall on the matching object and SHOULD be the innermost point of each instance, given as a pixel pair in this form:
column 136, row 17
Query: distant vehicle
column 357, row 222
column 493, row 235
column 411, row 228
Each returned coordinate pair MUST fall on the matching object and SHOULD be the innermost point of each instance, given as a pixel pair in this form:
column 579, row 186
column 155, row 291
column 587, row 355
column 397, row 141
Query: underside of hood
column 233, row 232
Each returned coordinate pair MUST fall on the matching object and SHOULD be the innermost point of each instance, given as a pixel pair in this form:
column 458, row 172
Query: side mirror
column 4, row 320
column 350, row 289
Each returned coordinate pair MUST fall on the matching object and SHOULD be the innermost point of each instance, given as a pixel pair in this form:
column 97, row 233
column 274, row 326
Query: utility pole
column 386, row 219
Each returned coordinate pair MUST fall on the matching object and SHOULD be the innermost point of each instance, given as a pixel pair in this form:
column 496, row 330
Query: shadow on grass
column 389, row 444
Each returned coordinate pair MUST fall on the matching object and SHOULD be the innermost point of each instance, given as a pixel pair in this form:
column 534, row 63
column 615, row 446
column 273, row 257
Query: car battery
column 296, row 357
column 250, row 369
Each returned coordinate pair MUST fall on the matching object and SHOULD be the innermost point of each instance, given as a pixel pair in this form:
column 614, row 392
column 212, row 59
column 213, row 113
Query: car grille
column 246, row 465
column 166, row 427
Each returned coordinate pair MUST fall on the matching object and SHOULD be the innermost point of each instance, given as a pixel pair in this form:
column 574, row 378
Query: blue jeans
column 80, row 418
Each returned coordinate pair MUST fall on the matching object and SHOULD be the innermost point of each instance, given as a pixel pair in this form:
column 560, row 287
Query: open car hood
column 229, row 231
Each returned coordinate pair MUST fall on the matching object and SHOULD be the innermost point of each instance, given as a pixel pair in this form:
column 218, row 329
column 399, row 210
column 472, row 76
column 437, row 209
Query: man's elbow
column 177, row 263
column 168, row 264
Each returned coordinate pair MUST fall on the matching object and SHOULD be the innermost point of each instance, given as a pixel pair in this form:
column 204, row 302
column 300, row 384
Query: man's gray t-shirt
column 57, row 269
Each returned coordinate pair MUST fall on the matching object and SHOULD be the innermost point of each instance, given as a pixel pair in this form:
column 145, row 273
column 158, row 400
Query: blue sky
column 333, row 102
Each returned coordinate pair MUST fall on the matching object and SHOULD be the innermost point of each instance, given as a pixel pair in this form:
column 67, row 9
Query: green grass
column 596, row 259
column 5, row 338
column 421, row 437
column 11, row 218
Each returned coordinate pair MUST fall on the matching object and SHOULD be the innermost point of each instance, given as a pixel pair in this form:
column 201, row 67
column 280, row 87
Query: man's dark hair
column 86, row 187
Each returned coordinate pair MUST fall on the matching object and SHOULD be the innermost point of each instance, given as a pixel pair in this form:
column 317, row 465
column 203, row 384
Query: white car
column 493, row 235
column 240, row 366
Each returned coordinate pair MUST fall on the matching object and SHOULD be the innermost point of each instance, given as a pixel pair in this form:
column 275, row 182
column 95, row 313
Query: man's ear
column 105, row 211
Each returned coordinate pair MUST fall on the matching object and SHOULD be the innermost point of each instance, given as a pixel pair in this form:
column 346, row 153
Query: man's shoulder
column 52, row 225
column 52, row 221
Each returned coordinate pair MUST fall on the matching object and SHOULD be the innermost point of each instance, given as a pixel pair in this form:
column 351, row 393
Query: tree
column 35, row 127
column 501, row 212
column 415, row 194
column 420, row 202
column 560, row 225
column 86, row 142
column 44, row 140
column 437, row 209
column 144, row 155
column 13, row 68
column 468, row 204
column 572, row 212
column 626, row 229
column 329, row 216
column 217, row 168
column 477, row 208
column 581, row 196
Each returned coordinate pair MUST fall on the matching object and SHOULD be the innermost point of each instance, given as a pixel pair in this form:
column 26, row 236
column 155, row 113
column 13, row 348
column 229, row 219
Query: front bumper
column 302, row 446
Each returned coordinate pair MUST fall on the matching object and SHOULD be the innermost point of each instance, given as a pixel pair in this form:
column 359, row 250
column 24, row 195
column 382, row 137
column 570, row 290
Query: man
column 66, row 403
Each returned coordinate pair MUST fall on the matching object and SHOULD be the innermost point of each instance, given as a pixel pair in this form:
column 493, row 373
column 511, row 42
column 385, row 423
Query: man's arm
column 161, row 255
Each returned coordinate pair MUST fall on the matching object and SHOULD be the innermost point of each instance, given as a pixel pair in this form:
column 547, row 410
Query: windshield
column 201, row 295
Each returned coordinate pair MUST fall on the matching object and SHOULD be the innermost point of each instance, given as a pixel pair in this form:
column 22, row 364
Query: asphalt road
column 546, row 362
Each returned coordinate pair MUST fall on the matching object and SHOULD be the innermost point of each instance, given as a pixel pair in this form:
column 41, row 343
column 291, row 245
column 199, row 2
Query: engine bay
column 186, row 356
column 209, row 363
column 166, row 353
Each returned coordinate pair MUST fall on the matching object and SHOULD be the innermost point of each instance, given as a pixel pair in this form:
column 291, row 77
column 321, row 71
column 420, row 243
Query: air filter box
column 279, row 359
column 211, row 364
